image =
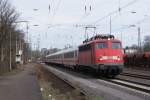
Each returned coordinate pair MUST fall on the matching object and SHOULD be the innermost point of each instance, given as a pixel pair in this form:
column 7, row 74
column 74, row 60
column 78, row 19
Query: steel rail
column 136, row 75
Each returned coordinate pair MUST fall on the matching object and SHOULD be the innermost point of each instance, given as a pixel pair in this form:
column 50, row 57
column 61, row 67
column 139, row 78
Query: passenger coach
column 67, row 57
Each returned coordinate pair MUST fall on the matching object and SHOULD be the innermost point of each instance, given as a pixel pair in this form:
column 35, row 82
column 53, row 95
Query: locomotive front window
column 116, row 45
column 101, row 45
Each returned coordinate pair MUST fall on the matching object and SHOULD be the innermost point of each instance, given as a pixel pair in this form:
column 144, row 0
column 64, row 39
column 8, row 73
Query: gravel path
column 22, row 86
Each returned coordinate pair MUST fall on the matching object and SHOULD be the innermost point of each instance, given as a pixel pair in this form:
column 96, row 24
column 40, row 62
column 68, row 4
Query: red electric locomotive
column 103, row 53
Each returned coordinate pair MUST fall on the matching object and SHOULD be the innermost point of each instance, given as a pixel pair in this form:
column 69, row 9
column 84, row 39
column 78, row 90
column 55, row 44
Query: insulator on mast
column 49, row 8
column 85, row 8
column 90, row 7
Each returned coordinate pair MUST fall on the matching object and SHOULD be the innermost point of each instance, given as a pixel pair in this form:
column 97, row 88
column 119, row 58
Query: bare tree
column 8, row 34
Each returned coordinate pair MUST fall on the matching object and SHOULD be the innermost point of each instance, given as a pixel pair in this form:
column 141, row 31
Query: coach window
column 69, row 55
column 101, row 45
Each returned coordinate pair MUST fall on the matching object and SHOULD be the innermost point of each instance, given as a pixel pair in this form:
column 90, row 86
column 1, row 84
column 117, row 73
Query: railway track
column 113, row 83
column 129, row 84
column 141, row 87
column 136, row 75
column 133, row 81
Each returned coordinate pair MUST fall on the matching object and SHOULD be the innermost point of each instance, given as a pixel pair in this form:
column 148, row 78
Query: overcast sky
column 57, row 25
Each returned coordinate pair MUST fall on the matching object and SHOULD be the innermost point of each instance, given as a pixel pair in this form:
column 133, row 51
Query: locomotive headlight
column 120, row 58
column 116, row 58
column 103, row 58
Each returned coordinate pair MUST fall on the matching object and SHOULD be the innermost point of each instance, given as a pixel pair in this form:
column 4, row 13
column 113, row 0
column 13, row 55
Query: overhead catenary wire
column 55, row 10
column 116, row 11
column 109, row 14
column 58, row 4
column 50, row 6
column 52, row 11
column 87, row 10
column 132, row 25
column 119, row 8
column 72, row 30
column 57, row 7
